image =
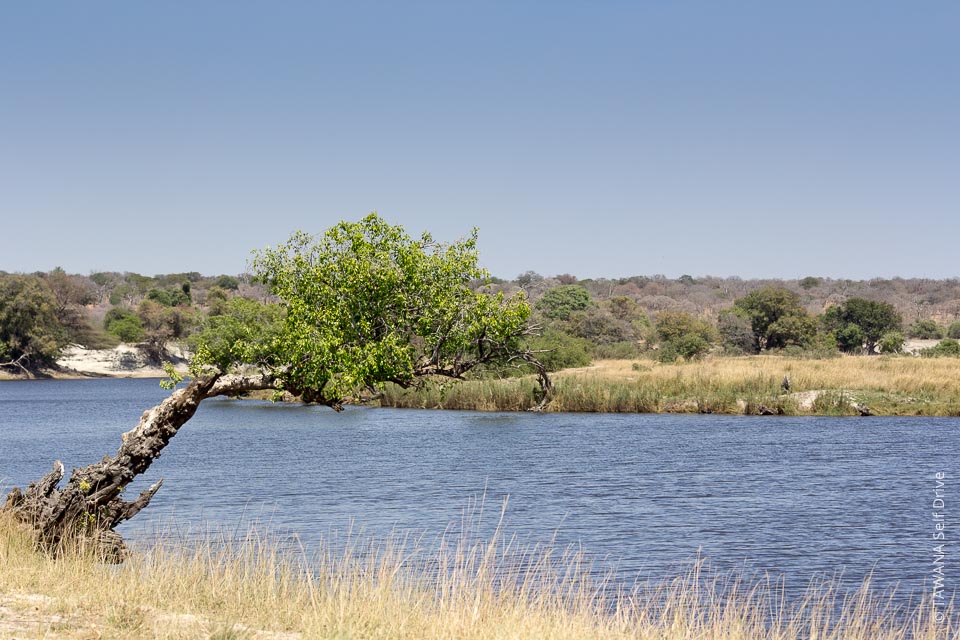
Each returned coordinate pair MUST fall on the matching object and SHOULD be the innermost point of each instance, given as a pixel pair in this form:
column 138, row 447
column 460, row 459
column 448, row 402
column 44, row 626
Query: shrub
column 891, row 342
column 124, row 324
column 926, row 329
column 954, row 331
column 560, row 350
column 948, row 347
column 736, row 334
column 558, row 303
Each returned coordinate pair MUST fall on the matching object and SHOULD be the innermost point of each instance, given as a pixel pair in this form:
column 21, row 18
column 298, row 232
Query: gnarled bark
column 91, row 505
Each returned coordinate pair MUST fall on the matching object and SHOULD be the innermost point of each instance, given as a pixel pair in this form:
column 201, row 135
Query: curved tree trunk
column 90, row 504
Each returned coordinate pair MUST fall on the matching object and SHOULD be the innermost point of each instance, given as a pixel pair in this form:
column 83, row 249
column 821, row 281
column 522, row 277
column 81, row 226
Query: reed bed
column 887, row 385
column 461, row 588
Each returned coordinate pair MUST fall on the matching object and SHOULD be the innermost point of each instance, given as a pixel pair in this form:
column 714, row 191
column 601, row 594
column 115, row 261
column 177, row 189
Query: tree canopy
column 860, row 324
column 365, row 304
column 30, row 331
column 777, row 318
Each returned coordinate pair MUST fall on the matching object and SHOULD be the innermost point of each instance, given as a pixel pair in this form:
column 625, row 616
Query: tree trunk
column 90, row 506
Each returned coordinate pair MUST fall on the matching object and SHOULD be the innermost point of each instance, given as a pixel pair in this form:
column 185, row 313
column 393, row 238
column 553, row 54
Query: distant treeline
column 686, row 317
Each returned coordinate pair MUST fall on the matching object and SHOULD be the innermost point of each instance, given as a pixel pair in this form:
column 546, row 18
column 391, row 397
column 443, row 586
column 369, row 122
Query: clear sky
column 759, row 139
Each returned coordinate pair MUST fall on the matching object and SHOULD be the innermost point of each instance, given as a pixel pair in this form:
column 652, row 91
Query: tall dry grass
column 733, row 385
column 403, row 588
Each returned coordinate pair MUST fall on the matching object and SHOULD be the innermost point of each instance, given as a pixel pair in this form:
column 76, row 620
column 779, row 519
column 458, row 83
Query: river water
column 797, row 498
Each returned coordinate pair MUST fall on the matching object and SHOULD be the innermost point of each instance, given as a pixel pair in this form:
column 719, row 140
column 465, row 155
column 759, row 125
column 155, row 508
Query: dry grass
column 402, row 589
column 734, row 385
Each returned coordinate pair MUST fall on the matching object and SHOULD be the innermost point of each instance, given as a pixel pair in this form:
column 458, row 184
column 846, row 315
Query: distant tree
column 216, row 301
column 228, row 283
column 124, row 324
column 777, row 318
column 527, row 278
column 170, row 297
column 558, row 303
column 567, row 278
column 686, row 279
column 798, row 330
column 953, row 331
column 926, row 329
column 810, row 282
column 736, row 333
column 599, row 327
column 71, row 293
column 624, row 308
column 859, row 324
column 684, row 335
column 31, row 336
column 558, row 350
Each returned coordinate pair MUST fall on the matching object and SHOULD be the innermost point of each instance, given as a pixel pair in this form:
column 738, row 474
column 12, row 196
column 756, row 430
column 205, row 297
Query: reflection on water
column 798, row 497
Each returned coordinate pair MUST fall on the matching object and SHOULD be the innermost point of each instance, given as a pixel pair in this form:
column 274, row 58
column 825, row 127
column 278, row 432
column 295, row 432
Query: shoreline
column 742, row 385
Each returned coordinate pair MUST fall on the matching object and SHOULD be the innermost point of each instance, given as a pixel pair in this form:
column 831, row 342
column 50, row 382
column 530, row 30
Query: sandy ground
column 121, row 362
column 124, row 361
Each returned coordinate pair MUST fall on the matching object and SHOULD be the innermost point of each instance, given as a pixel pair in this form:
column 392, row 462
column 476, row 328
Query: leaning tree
column 359, row 306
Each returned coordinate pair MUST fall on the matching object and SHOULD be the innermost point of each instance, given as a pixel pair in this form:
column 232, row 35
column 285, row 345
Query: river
column 798, row 498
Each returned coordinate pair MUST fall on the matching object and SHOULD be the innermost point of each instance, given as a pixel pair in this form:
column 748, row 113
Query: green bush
column 926, row 329
column 954, row 331
column 948, row 347
column 560, row 302
column 891, row 342
column 124, row 324
column 560, row 350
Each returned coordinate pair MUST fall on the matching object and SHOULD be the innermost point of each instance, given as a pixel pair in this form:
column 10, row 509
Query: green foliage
column 365, row 303
column 791, row 331
column 30, row 331
column 599, row 327
column 850, row 338
column 683, row 335
column 171, row 297
column 560, row 302
column 228, row 283
column 777, row 318
column 948, row 347
column 736, row 333
column 124, row 324
column 625, row 308
column 811, row 282
column 891, row 342
column 558, row 350
column 926, row 329
column 217, row 301
column 245, row 332
column 162, row 324
column 953, row 331
column 691, row 346
column 859, row 324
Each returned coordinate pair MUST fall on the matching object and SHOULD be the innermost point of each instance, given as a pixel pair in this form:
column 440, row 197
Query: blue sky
column 599, row 139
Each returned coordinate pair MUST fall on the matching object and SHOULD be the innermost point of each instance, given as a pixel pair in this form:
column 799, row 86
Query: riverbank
column 749, row 385
column 400, row 589
column 123, row 361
